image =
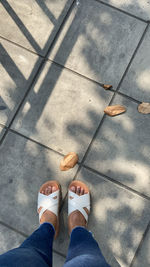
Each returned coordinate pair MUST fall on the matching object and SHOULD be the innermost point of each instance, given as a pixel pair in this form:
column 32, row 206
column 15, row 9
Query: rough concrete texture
column 137, row 82
column 15, row 240
column 121, row 148
column 138, row 8
column 94, row 36
column 32, row 24
column 2, row 131
column 112, row 209
column 17, row 71
column 79, row 106
column 28, row 166
column 143, row 258
column 55, row 57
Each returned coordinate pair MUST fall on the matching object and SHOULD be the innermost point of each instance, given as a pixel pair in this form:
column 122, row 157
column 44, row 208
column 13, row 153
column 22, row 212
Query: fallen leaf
column 69, row 161
column 144, row 108
column 107, row 86
column 114, row 110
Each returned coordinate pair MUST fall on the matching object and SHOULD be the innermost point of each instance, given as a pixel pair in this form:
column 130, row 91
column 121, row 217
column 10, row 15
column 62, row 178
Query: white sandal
column 76, row 202
column 50, row 202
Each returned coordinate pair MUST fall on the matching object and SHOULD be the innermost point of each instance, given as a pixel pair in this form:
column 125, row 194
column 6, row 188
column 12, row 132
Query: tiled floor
column 55, row 56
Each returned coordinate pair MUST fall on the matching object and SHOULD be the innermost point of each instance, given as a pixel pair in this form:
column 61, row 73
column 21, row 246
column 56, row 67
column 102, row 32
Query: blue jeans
column 36, row 250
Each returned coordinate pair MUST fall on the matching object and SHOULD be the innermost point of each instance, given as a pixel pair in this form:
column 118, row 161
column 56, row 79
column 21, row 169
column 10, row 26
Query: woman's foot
column 76, row 218
column 48, row 216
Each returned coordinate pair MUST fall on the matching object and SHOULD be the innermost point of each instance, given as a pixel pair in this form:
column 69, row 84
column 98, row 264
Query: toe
column 54, row 188
column 49, row 190
column 73, row 189
column 78, row 190
column 82, row 191
column 46, row 191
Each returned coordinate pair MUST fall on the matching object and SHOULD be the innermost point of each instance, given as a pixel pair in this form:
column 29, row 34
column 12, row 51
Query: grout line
column 107, row 178
column 101, row 122
column 26, row 236
column 3, row 126
column 23, row 47
column 78, row 74
column 122, row 11
column 95, row 82
column 38, row 70
column 128, row 97
column 75, row 72
column 93, row 138
column 55, row 63
column 27, row 92
column 36, row 142
column 133, row 56
column 59, row 253
column 140, row 245
column 14, row 229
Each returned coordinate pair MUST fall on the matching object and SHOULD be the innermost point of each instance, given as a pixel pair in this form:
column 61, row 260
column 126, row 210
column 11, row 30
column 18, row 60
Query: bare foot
column 48, row 216
column 76, row 218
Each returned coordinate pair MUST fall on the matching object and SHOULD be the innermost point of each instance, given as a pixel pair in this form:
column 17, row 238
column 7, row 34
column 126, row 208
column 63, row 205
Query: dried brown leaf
column 69, row 161
column 107, row 86
column 114, row 110
column 144, row 108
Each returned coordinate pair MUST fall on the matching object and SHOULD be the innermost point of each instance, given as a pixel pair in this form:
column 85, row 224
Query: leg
column 84, row 250
column 36, row 250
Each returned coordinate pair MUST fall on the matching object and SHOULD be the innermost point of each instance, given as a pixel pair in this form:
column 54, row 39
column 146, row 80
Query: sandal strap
column 49, row 202
column 78, row 203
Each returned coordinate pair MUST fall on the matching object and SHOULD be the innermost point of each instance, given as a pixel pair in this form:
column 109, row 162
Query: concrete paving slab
column 121, row 148
column 2, row 131
column 62, row 110
column 140, row 9
column 143, row 258
column 137, row 82
column 17, row 70
column 10, row 240
column 97, row 41
column 112, row 209
column 58, row 261
column 25, row 166
column 34, row 23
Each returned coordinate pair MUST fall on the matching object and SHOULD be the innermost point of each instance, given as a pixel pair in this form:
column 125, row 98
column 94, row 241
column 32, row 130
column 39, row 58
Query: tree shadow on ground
column 25, row 163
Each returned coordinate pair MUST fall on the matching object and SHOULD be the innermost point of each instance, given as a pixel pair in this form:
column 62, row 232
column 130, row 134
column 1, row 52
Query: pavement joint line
column 140, row 245
column 92, row 140
column 22, row 101
column 59, row 253
column 13, row 229
column 128, row 97
column 26, row 236
column 36, row 142
column 95, row 82
column 39, row 69
column 77, row 73
column 115, row 92
column 133, row 56
column 3, row 126
column 107, row 178
column 122, row 11
column 24, row 48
